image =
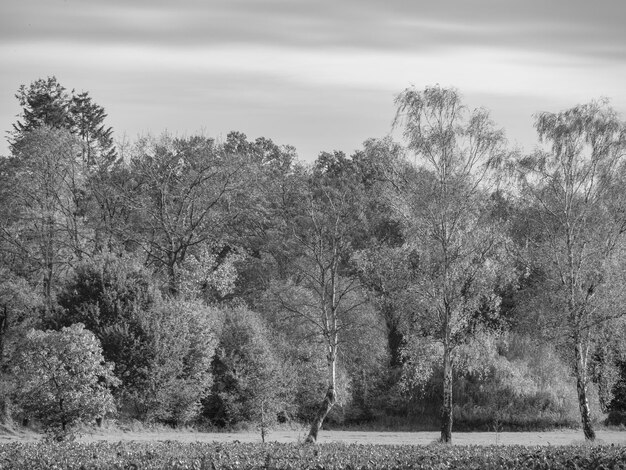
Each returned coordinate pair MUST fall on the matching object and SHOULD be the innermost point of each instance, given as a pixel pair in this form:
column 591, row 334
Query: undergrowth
column 237, row 456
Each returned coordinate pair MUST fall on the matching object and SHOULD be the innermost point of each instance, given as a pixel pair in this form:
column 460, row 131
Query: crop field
column 345, row 450
column 248, row 456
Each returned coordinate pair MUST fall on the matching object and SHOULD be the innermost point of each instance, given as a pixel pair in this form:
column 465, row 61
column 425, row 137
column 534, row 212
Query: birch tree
column 457, row 251
column 575, row 189
column 319, row 291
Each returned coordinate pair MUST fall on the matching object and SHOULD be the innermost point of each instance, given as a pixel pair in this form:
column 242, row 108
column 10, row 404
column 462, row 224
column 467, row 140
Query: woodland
column 446, row 281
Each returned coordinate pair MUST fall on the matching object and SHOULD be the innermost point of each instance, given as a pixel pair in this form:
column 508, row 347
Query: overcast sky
column 318, row 75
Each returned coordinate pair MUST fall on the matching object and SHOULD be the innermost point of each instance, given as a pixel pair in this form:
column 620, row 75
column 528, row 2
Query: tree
column 375, row 238
column 180, row 342
column 63, row 379
column 320, row 288
column 256, row 235
column 575, row 192
column 457, row 249
column 161, row 350
column 18, row 307
column 45, row 203
column 252, row 381
column 386, row 272
column 383, row 260
column 88, row 124
column 110, row 295
column 45, row 102
column 182, row 194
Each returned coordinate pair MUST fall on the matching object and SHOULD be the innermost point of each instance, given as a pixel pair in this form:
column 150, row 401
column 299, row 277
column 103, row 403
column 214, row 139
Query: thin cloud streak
column 500, row 70
column 566, row 26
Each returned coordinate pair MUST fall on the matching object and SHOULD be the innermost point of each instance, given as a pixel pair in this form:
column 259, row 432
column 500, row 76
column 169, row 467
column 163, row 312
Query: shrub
column 252, row 383
column 62, row 378
column 503, row 381
column 108, row 295
column 18, row 312
column 161, row 349
column 180, row 341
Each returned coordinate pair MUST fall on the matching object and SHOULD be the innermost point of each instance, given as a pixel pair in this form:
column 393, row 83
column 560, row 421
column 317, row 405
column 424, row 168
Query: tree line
column 447, row 279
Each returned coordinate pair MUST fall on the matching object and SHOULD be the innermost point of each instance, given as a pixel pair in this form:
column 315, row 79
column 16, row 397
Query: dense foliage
column 448, row 282
column 174, row 455
column 62, row 378
column 252, row 384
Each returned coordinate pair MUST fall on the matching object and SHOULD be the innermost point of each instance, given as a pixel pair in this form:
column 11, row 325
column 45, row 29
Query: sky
column 320, row 75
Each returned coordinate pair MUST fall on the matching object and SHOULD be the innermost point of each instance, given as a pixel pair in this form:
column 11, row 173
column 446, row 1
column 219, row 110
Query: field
column 553, row 438
column 277, row 456
column 338, row 450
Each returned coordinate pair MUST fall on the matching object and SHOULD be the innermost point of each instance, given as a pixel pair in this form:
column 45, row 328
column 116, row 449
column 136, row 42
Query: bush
column 161, row 349
column 62, row 378
column 616, row 418
column 18, row 312
column 503, row 381
column 109, row 295
column 180, row 341
column 252, row 383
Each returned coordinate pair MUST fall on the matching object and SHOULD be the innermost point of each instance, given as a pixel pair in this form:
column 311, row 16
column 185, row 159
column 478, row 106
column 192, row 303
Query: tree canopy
column 446, row 278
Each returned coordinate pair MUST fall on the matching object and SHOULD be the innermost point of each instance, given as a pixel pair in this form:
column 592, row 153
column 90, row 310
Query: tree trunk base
column 581, row 389
column 329, row 400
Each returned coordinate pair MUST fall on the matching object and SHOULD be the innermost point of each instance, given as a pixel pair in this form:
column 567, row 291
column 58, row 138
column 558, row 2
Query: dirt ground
column 563, row 437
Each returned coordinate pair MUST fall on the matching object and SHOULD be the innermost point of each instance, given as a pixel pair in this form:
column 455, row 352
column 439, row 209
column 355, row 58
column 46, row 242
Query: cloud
column 499, row 70
column 572, row 27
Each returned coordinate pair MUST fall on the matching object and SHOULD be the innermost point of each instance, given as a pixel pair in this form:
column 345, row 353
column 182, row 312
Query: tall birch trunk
column 581, row 388
column 446, row 407
column 5, row 415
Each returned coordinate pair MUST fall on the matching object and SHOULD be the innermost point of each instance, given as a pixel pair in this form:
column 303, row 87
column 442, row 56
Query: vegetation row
column 172, row 455
column 449, row 281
